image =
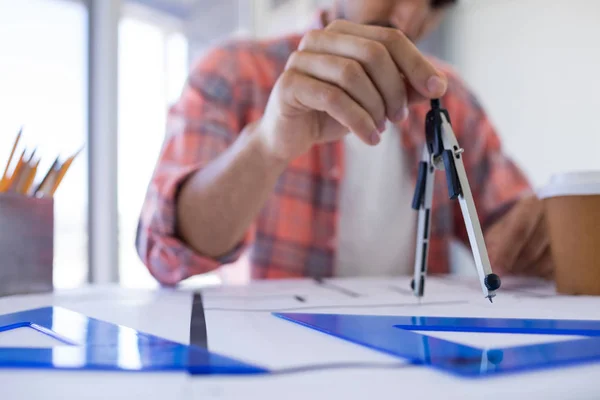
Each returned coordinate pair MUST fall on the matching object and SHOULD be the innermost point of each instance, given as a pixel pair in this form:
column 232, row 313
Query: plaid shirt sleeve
column 201, row 125
column 496, row 181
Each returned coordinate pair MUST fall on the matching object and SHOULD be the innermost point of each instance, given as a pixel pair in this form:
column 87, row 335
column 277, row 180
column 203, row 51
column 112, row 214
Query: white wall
column 535, row 64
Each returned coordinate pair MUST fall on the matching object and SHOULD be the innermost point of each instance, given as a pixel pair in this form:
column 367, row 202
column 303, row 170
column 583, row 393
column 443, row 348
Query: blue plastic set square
column 394, row 335
column 91, row 344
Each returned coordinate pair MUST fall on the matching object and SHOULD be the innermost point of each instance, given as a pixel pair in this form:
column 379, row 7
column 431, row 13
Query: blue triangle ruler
column 91, row 344
column 394, row 335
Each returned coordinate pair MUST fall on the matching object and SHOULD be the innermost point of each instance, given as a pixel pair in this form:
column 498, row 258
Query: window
column 43, row 87
column 153, row 66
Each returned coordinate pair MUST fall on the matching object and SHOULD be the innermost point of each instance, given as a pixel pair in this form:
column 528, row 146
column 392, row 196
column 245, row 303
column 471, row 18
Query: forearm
column 217, row 204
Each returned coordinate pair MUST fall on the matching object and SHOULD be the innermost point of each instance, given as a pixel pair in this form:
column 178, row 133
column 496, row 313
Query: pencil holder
column 26, row 244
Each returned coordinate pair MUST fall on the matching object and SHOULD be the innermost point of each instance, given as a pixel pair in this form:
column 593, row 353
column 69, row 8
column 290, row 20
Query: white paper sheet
column 240, row 325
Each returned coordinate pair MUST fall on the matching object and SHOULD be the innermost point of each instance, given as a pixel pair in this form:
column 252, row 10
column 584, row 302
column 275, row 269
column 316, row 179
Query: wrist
column 260, row 143
column 264, row 142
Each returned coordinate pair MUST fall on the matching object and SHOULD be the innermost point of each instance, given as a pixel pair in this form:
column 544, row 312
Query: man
column 304, row 150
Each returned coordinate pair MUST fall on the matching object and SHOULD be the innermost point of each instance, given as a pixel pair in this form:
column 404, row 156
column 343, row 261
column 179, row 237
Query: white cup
column 584, row 183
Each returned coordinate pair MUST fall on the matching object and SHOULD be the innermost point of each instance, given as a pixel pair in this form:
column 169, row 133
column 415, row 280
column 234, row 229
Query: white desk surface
column 240, row 325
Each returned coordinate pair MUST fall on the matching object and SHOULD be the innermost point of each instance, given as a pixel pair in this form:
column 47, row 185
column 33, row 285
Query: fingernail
column 381, row 126
column 375, row 139
column 436, row 85
column 402, row 114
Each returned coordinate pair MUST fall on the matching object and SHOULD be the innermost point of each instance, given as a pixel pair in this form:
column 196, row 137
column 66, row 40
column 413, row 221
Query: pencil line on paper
column 340, row 289
column 346, row 306
column 250, row 297
column 400, row 290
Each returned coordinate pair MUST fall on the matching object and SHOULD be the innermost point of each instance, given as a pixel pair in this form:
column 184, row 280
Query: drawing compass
column 442, row 152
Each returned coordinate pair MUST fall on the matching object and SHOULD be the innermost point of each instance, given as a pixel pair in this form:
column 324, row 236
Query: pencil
column 46, row 189
column 25, row 189
column 22, row 179
column 46, row 177
column 4, row 181
column 63, row 170
column 31, row 155
column 23, row 174
column 16, row 175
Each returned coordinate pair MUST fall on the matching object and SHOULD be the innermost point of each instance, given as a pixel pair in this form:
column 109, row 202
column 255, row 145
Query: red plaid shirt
column 295, row 234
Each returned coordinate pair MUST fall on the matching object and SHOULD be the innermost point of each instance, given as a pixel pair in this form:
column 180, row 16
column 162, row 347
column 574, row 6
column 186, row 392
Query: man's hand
column 345, row 78
column 519, row 244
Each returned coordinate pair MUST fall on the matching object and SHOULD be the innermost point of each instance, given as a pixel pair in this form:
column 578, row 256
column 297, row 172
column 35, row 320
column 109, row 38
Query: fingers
column 375, row 60
column 422, row 75
column 358, row 75
column 544, row 267
column 536, row 246
column 312, row 94
column 508, row 237
column 346, row 74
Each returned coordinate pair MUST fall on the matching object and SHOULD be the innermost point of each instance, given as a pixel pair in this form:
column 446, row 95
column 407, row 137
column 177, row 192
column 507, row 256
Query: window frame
column 103, row 261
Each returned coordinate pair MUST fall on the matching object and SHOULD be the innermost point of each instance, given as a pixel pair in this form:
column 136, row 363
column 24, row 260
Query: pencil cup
column 26, row 244
column 572, row 202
